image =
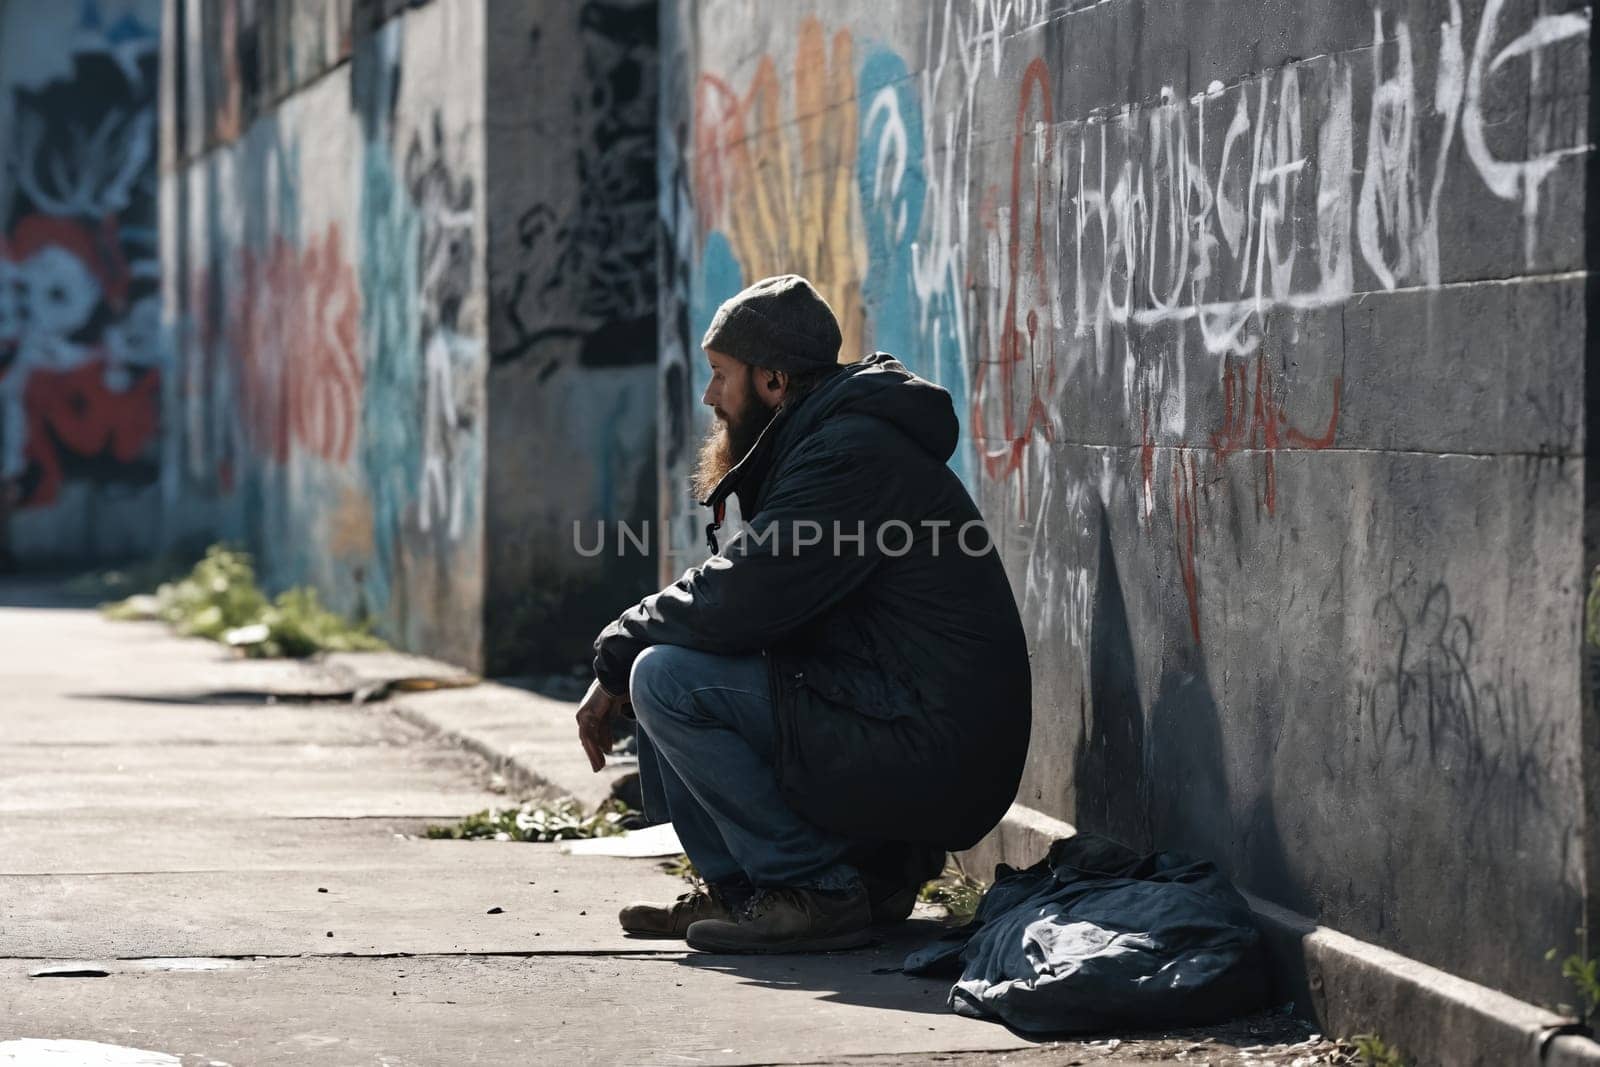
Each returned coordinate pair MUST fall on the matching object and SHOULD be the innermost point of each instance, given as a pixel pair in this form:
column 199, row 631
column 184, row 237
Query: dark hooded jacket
column 899, row 671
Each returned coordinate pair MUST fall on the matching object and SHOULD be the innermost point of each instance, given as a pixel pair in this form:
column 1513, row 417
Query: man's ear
column 772, row 385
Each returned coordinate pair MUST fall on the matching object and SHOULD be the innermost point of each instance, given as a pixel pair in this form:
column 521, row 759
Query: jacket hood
column 879, row 386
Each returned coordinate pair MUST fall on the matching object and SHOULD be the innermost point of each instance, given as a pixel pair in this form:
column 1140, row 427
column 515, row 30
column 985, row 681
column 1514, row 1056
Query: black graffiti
column 674, row 232
column 1434, row 702
column 586, row 270
column 446, row 242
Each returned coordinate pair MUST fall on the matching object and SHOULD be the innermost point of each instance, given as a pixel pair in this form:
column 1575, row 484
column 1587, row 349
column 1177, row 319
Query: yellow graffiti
column 784, row 193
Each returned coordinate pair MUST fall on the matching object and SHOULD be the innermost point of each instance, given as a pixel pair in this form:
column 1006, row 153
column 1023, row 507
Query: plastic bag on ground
column 1098, row 937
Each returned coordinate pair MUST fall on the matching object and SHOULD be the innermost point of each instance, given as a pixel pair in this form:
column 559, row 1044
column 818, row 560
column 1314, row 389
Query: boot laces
column 764, row 900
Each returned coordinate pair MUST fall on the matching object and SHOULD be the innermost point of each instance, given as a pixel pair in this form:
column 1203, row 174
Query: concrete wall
column 572, row 96
column 323, row 262
column 409, row 265
column 82, row 360
column 1268, row 324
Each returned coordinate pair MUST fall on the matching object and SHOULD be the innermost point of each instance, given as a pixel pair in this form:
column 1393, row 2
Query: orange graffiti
column 785, row 195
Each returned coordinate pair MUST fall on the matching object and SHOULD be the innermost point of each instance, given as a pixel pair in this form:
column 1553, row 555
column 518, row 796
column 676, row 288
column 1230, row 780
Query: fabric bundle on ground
column 1097, row 936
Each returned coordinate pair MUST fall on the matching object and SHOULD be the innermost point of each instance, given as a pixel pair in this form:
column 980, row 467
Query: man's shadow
column 869, row 976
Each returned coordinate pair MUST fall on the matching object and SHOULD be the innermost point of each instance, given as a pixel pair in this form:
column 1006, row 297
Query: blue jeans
column 706, row 741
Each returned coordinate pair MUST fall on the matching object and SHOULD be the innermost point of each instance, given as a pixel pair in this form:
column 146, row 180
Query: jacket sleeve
column 768, row 581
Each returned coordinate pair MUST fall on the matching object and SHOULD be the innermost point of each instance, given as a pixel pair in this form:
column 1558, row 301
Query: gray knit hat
column 779, row 323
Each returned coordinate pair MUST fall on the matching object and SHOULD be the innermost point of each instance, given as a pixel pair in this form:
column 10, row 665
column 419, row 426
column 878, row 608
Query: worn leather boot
column 789, row 920
column 673, row 920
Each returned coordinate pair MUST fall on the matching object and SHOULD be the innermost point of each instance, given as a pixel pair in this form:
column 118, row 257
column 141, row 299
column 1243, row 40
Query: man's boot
column 893, row 873
column 790, row 920
column 673, row 920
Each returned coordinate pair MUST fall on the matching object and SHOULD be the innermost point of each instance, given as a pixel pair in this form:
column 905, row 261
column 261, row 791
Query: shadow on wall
column 1109, row 786
column 1159, row 782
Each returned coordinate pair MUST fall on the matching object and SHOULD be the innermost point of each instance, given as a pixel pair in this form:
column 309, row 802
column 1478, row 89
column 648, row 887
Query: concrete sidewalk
column 220, row 861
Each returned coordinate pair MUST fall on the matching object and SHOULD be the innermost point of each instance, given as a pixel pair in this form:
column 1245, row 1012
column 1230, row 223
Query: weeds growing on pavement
column 1374, row 1051
column 1584, row 974
column 956, row 892
column 219, row 599
column 681, row 866
column 537, row 820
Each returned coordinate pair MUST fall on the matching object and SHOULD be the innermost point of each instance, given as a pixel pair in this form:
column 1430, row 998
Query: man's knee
column 653, row 684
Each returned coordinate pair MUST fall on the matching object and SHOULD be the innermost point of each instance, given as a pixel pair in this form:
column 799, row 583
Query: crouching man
column 842, row 692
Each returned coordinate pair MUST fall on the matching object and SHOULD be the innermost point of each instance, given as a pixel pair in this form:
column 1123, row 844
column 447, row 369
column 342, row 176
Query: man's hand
column 594, row 723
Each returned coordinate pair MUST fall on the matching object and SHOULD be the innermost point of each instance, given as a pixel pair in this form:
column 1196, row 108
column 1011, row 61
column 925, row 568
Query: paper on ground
column 661, row 840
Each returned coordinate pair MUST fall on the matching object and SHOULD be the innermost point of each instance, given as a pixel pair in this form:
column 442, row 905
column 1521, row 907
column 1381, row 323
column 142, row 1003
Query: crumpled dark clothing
column 1097, row 937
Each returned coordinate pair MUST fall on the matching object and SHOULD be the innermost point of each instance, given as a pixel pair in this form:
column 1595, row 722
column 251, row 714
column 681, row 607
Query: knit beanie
column 779, row 323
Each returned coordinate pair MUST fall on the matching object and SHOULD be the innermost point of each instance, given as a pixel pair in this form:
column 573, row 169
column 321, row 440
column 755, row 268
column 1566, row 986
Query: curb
column 1350, row 986
column 517, row 773
column 528, row 739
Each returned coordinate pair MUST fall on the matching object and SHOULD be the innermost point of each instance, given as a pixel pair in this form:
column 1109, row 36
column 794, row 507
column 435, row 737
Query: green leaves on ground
column 1584, row 974
column 219, row 599
column 681, row 866
column 558, row 820
column 1376, row 1052
column 957, row 893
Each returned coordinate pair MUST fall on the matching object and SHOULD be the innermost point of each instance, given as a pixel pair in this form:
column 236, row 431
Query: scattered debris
column 646, row 842
column 219, row 599
column 558, row 820
column 955, row 891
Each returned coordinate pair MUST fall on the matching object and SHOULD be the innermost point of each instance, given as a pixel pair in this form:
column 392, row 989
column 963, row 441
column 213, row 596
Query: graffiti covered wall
column 323, row 244
column 572, row 331
column 1271, row 372
column 82, row 356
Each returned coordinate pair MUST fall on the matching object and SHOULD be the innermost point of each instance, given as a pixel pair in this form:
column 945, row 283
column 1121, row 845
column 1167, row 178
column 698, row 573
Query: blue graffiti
column 718, row 278
column 892, row 180
column 391, row 403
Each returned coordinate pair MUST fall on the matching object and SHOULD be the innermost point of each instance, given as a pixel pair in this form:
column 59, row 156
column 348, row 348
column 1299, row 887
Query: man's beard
column 729, row 442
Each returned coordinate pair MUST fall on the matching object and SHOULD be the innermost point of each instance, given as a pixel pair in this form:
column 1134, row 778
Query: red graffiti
column 96, row 248
column 295, row 332
column 1254, row 420
column 1185, row 530
column 77, row 413
column 1024, row 336
column 84, row 395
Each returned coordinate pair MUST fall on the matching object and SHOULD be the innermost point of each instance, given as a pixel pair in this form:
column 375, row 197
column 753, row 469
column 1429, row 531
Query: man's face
column 741, row 416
